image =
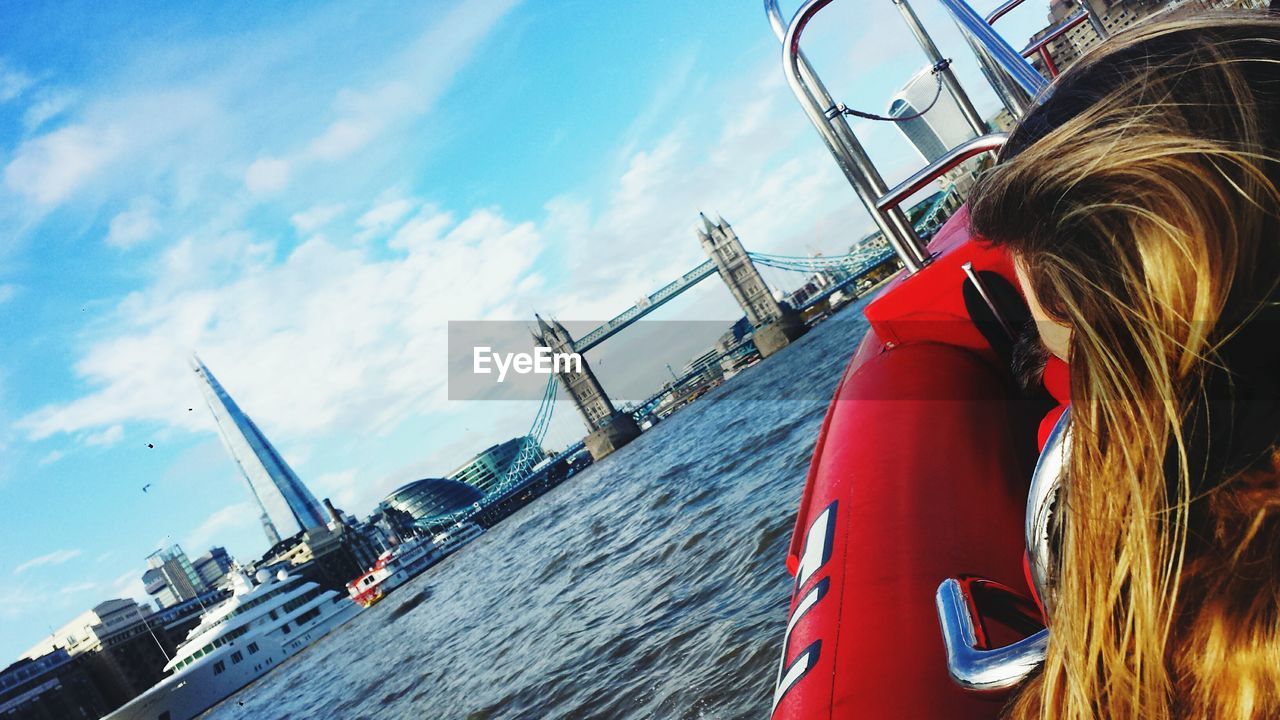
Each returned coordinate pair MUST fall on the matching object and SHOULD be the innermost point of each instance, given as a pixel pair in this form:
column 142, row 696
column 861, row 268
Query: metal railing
column 839, row 138
column 971, row 662
column 880, row 201
column 950, row 161
column 1041, row 46
column 1013, row 78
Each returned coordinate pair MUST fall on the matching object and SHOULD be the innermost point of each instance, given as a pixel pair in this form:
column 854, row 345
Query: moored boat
column 394, row 568
column 399, row 565
column 238, row 641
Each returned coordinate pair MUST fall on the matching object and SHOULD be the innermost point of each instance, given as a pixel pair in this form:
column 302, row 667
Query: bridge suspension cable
column 852, row 262
column 521, row 468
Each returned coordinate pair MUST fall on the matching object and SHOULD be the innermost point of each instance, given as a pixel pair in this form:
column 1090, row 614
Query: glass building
column 432, row 499
column 282, row 498
column 487, row 469
column 938, row 130
column 170, row 577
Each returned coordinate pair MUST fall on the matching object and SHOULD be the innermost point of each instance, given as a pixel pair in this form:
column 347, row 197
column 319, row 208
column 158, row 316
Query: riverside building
column 489, row 467
column 97, row 661
column 170, row 577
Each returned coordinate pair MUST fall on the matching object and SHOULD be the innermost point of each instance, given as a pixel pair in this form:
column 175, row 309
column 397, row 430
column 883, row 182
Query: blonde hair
column 1141, row 196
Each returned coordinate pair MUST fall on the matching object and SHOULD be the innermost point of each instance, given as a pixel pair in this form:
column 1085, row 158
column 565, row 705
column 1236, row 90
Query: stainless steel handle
column 973, row 666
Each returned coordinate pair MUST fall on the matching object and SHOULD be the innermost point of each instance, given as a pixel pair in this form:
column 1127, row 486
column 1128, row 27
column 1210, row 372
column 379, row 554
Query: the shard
column 284, row 501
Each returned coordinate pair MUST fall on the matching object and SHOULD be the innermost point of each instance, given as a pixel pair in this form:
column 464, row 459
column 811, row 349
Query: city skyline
column 308, row 194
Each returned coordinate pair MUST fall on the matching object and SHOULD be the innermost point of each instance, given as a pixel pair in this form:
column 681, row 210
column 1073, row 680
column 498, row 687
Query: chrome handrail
column 1056, row 33
column 1041, row 46
column 970, row 113
column 935, row 169
column 840, row 139
column 971, row 666
column 1001, row 11
column 1043, row 507
column 997, row 52
column 1008, row 5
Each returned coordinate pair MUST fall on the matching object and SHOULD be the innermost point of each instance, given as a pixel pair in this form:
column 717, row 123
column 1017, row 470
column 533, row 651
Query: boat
column 914, row 551
column 248, row 635
column 394, row 568
column 453, row 538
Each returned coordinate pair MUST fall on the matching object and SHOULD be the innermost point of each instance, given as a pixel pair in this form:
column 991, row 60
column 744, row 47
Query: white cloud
column 50, row 458
column 49, row 168
column 13, row 82
column 79, row 588
column 57, row 557
column 129, row 585
column 241, row 516
column 108, row 437
column 342, row 138
column 7, row 293
column 315, row 217
column 343, row 489
column 48, row 105
column 132, row 226
column 266, row 175
column 356, row 346
column 384, row 215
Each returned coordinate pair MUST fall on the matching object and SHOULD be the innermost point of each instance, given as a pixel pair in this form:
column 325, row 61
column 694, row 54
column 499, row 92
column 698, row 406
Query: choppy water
column 652, row 585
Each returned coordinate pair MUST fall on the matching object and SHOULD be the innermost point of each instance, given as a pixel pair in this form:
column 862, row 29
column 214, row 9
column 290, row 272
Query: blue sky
column 306, row 193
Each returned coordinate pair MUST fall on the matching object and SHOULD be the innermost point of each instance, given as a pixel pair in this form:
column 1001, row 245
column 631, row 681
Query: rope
column 841, row 109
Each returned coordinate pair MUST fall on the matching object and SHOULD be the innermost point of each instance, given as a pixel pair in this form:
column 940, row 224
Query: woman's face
column 1055, row 335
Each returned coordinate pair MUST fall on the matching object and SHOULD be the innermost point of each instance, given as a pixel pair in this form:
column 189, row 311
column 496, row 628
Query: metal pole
column 1001, row 53
column 839, row 138
column 948, row 77
column 1094, row 20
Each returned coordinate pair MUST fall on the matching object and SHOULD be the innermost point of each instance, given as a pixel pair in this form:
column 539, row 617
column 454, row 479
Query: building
column 212, row 567
column 607, row 429
column 939, row 129
column 284, row 502
column 1115, row 16
column 431, row 500
column 736, row 349
column 86, row 630
column 330, row 555
column 170, row 577
column 487, row 469
column 117, row 644
column 53, row 686
column 775, row 326
column 706, row 366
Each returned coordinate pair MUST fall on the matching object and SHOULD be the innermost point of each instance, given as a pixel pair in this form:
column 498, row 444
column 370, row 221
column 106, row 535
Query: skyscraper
column 170, row 577
column 282, row 498
column 941, row 128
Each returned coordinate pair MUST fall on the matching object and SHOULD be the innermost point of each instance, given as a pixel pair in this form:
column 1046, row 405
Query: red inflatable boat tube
column 920, row 473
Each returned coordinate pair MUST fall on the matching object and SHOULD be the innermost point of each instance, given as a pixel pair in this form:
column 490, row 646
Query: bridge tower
column 775, row 325
column 607, row 429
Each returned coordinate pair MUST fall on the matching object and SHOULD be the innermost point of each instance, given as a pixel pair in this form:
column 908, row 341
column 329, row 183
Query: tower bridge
column 775, row 324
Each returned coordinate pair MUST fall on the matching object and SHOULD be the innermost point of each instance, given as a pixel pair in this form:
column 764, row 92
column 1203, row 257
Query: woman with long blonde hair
column 1141, row 202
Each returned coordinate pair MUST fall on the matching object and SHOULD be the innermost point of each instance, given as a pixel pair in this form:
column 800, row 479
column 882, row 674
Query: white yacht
column 239, row 641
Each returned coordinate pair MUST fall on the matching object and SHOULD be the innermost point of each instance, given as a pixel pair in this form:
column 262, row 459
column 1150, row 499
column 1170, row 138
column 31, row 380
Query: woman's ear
column 1055, row 335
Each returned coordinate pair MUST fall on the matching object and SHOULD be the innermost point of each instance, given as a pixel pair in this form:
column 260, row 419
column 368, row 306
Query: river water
column 652, row 585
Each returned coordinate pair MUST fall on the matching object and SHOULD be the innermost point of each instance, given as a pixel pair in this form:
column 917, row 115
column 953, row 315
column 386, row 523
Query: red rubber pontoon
column 918, row 475
column 914, row 512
